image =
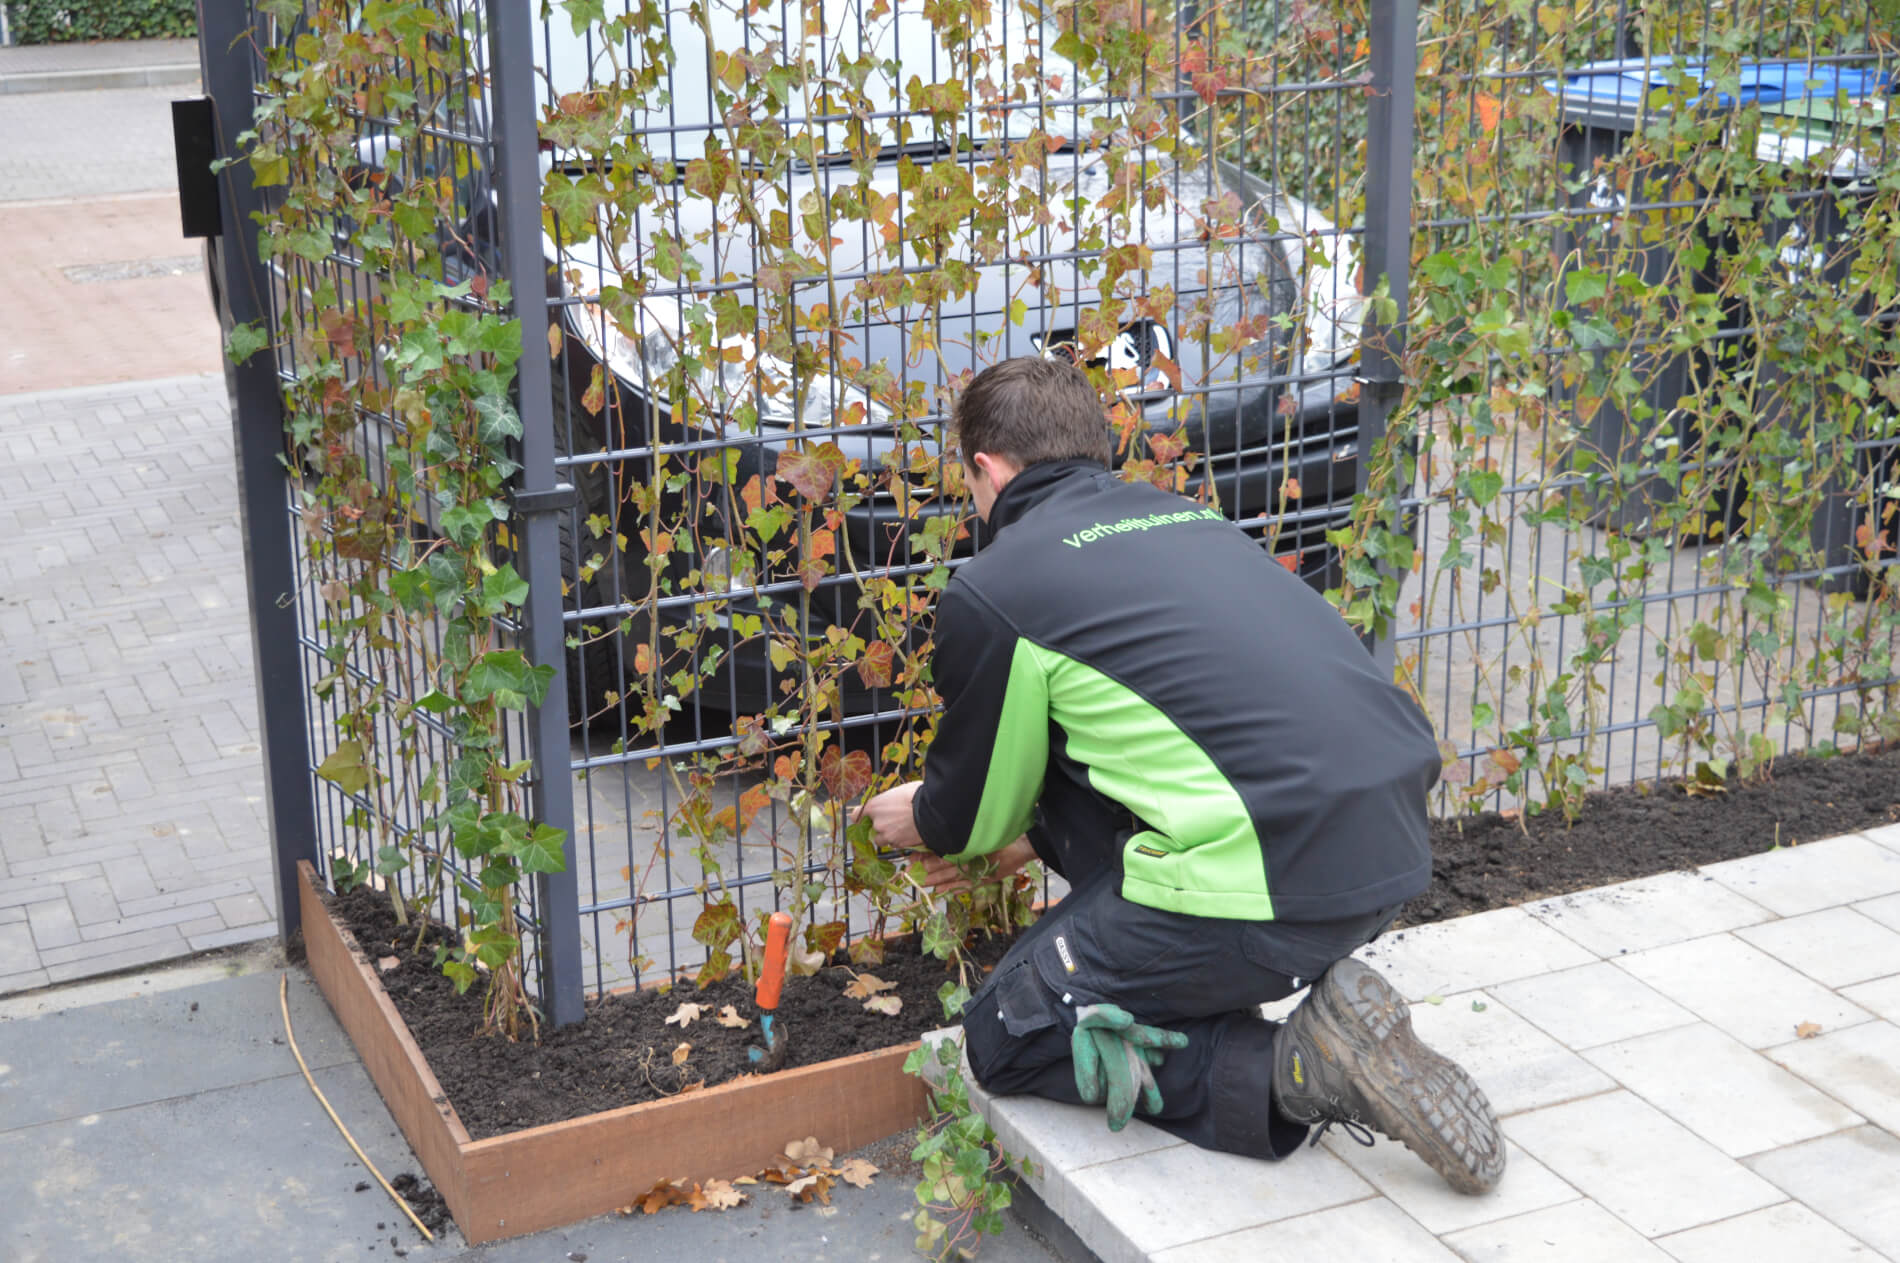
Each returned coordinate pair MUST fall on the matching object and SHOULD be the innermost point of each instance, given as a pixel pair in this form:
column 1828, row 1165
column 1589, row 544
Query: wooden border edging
column 544, row 1177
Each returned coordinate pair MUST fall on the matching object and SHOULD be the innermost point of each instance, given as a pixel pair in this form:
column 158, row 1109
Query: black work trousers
column 1203, row 976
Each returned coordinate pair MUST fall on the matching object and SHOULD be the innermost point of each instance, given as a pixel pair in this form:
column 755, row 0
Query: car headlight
column 645, row 354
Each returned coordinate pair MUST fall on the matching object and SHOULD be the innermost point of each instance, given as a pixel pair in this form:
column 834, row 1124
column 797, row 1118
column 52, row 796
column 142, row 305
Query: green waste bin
column 1827, row 144
column 1603, row 107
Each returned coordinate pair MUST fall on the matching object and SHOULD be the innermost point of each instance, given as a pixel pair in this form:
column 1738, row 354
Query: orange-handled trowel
column 771, row 982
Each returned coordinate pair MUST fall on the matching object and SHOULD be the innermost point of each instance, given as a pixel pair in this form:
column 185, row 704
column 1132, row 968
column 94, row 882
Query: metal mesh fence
column 1655, row 496
column 844, row 210
column 1643, row 474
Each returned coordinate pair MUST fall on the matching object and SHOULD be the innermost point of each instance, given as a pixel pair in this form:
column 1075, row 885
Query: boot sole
column 1421, row 1099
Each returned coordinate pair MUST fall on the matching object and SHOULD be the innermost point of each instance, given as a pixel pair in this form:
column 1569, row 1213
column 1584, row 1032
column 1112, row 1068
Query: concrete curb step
column 91, row 80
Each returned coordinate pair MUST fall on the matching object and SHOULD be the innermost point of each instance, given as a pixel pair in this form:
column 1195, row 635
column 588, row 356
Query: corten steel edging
column 544, row 1177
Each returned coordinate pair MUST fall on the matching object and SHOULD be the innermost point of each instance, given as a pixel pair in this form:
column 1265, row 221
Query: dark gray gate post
column 1388, row 241
column 518, row 183
column 257, row 420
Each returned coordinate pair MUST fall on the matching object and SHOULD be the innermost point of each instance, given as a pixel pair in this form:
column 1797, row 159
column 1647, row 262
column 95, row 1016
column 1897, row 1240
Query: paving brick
column 1362, row 1230
column 1784, row 881
column 1880, row 997
column 1518, row 1066
column 1859, row 1066
column 1576, row 1232
column 30, row 980
column 1849, row 1178
column 1471, row 952
column 52, row 923
column 1781, row 1110
column 17, row 952
column 1591, row 1005
column 1651, row 912
column 233, row 936
column 1836, row 946
column 119, row 945
column 1740, row 989
column 1416, row 1189
column 1640, row 1165
column 1788, row 1231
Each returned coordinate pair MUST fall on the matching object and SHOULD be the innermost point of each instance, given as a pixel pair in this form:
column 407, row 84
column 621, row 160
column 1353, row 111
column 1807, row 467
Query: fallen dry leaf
column 681, row 1053
column 802, row 963
column 864, row 986
column 720, row 1195
column 1807, row 1030
column 685, row 1014
column 730, row 1019
column 808, row 1153
column 811, row 1186
column 886, row 1004
column 746, row 1179
column 388, row 963
column 665, row 1193
column 857, row 1172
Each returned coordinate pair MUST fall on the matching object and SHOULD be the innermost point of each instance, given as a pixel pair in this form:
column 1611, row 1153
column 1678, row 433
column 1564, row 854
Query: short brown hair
column 1032, row 410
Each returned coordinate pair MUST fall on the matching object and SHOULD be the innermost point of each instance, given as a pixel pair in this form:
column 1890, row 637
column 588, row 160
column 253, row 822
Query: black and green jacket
column 1182, row 707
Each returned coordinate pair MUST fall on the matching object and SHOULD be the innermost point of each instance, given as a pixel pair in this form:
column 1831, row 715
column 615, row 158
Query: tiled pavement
column 132, row 826
column 1700, row 1066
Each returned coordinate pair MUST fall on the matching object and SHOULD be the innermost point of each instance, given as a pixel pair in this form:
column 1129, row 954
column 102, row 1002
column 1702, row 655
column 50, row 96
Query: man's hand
column 892, row 825
column 947, row 878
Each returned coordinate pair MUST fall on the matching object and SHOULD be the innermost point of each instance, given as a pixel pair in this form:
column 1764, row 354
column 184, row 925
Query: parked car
column 1273, row 422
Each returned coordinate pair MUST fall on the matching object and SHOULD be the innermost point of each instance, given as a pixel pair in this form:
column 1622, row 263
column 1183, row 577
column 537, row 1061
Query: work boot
column 1348, row 1055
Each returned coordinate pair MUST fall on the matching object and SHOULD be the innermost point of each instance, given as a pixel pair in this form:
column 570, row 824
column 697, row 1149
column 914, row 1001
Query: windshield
column 874, row 59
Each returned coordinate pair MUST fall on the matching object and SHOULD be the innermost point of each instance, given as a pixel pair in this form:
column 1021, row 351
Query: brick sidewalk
column 132, row 823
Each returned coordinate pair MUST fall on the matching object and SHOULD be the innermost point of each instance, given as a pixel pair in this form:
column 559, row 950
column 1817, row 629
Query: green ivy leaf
column 544, row 851
column 244, row 341
column 344, row 768
column 505, row 587
column 506, row 676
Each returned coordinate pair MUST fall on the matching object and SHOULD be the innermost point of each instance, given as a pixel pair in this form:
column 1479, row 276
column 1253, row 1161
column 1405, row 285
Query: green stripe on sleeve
column 1017, row 759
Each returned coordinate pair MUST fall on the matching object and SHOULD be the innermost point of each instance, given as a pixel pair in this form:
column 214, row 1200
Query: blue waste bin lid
column 1613, row 94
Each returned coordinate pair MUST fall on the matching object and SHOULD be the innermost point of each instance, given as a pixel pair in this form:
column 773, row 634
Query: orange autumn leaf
column 1490, row 112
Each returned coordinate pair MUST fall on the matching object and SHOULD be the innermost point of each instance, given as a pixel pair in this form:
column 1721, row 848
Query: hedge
column 72, row 21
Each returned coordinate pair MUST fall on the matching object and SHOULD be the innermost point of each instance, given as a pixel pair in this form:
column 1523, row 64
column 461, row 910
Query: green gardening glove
column 1115, row 1059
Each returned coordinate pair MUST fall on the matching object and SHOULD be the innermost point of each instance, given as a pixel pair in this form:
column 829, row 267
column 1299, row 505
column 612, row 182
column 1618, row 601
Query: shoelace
column 1357, row 1130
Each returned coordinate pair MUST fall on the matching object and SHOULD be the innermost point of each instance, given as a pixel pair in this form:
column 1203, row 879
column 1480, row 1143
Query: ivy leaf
column 864, row 986
column 686, row 1014
column 813, row 470
column 344, row 768
column 544, row 850
column 499, row 422
column 729, row 1018
column 505, row 676
column 505, row 587
column 244, row 341
column 1583, row 285
column 846, row 776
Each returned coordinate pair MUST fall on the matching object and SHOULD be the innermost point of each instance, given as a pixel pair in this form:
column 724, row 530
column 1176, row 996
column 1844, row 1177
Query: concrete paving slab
column 1651, row 912
column 1471, row 952
column 1416, row 1189
column 1881, row 997
column 157, row 1047
column 1697, row 1076
column 1859, row 1066
column 1788, row 1231
column 1576, row 1232
column 1591, row 1005
column 1740, row 989
column 1362, row 1230
column 1639, row 1164
column 1887, row 836
column 1785, row 881
column 254, row 1171
column 1849, row 1179
column 1835, row 946
column 1520, row 1067
column 1885, row 910
column 1142, row 1202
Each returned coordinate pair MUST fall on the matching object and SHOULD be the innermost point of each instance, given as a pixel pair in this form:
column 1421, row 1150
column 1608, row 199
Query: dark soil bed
column 623, row 1053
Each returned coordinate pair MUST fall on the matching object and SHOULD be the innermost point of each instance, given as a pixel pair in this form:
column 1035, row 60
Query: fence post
column 513, row 138
column 257, row 422
column 1388, row 239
